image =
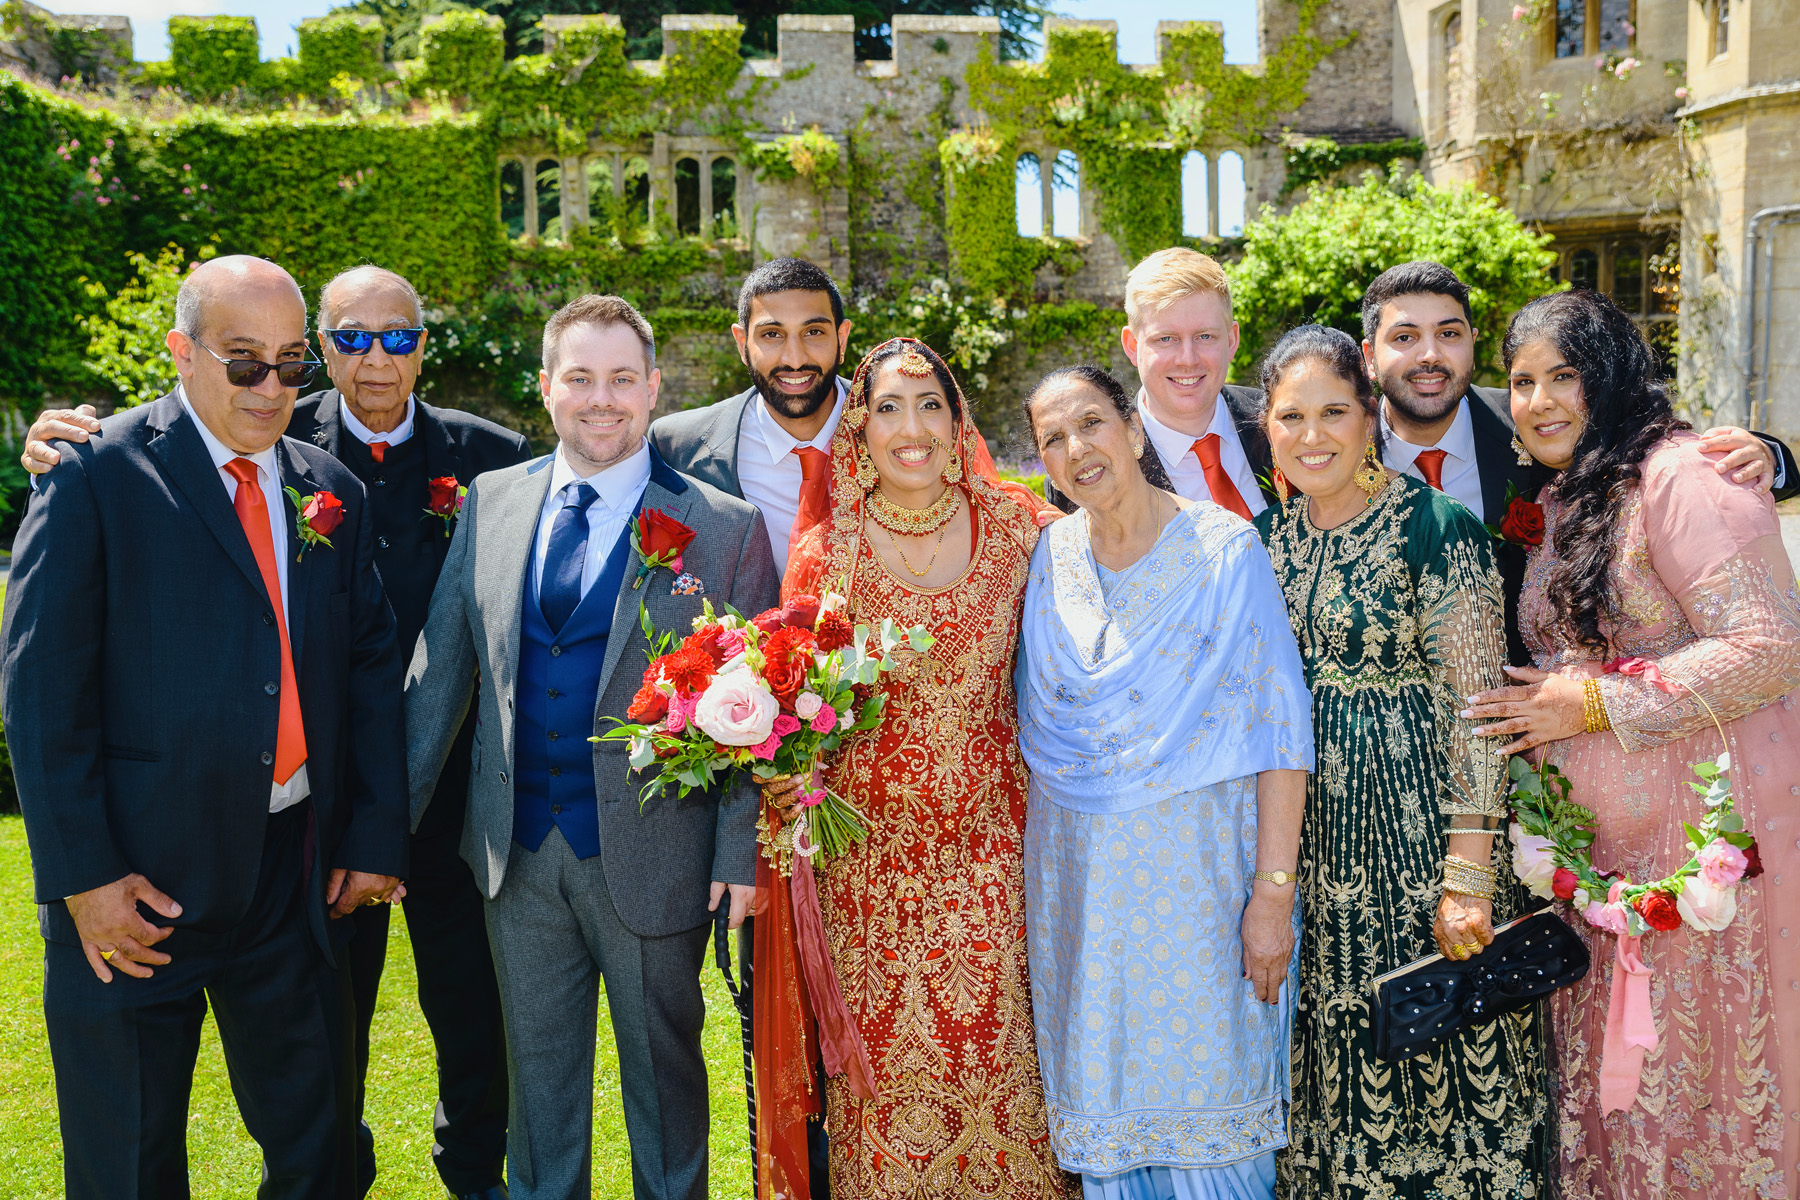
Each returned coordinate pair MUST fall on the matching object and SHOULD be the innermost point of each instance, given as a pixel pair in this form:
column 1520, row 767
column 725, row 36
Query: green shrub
column 212, row 55
column 126, row 346
column 344, row 46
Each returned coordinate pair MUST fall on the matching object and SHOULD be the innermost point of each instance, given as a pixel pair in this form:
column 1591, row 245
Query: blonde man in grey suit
column 536, row 607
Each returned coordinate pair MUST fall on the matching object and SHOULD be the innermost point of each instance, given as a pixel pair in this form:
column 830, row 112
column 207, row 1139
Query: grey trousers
column 554, row 935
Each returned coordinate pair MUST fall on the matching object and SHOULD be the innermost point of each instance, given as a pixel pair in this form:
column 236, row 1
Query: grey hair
column 405, row 285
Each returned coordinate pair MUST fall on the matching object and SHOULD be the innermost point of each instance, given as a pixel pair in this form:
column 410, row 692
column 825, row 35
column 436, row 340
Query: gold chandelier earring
column 1370, row 477
column 1520, row 450
column 866, row 476
column 1282, row 486
column 953, row 471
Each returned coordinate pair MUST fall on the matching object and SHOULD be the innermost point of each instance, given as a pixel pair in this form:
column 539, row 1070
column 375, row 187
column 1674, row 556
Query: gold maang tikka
column 914, row 365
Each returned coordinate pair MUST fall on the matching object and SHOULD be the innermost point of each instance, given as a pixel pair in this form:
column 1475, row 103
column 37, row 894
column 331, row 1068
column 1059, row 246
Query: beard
column 1397, row 388
column 806, row 403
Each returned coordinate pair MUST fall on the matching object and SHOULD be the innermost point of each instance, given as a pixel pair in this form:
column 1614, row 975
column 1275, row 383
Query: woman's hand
column 1268, row 936
column 1464, row 926
column 780, row 791
column 1547, row 708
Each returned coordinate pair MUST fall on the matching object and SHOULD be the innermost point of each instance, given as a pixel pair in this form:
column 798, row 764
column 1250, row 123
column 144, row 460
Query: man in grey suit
column 536, row 605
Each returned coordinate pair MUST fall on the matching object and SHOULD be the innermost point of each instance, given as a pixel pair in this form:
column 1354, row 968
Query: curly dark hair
column 1102, row 381
column 1628, row 413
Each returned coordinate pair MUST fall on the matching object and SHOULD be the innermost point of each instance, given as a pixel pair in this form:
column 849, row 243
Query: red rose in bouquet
column 1754, row 855
column 1564, row 883
column 834, row 632
column 801, row 611
column 768, row 620
column 787, row 657
column 1523, row 522
column 648, row 706
column 710, row 640
column 1659, row 911
column 688, row 669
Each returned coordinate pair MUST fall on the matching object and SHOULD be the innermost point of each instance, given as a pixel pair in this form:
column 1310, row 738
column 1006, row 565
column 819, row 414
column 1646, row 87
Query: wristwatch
column 1278, row 878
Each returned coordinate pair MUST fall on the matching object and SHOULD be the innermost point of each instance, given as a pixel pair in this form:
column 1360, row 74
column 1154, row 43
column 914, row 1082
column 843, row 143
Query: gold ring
column 106, row 955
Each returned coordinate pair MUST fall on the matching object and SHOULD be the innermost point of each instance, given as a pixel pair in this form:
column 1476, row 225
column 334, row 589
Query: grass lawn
column 402, row 1080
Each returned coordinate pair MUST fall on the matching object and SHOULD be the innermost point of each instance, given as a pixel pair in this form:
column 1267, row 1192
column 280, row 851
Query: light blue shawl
column 1189, row 676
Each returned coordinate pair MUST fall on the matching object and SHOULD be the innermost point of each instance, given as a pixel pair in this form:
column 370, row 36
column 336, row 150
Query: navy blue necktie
column 559, row 588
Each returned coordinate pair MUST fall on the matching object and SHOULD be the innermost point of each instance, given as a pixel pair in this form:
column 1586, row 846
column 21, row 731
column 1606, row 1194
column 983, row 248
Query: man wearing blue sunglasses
column 371, row 332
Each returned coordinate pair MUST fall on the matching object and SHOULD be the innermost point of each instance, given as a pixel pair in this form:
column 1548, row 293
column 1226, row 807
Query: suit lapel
column 1495, row 460
column 505, row 529
column 1245, row 406
column 657, row 494
column 328, row 425
column 300, row 571
column 183, row 458
column 441, row 458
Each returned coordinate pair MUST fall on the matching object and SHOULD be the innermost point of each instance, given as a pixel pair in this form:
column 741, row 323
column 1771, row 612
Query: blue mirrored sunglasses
column 359, row 341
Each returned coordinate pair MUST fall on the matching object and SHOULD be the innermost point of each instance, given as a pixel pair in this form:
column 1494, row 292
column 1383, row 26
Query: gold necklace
column 895, row 542
column 916, row 522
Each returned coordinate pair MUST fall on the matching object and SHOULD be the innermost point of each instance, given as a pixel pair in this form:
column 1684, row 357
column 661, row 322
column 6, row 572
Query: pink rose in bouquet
column 737, row 710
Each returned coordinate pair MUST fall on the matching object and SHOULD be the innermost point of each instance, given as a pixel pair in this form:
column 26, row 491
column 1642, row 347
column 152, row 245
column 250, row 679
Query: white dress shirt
column 268, row 473
column 1176, row 449
column 365, row 435
column 619, row 487
column 1461, row 476
column 769, row 470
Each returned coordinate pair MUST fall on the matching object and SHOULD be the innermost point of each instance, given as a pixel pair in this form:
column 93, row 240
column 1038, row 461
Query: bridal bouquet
column 768, row 695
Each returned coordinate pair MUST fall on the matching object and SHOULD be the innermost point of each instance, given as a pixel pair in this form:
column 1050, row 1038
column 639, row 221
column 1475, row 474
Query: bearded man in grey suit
column 536, row 605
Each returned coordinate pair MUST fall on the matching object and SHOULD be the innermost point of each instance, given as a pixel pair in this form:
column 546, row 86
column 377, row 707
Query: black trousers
column 124, row 1051
column 461, row 1003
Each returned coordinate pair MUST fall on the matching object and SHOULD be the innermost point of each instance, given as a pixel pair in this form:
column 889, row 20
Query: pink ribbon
column 840, row 1042
column 1630, row 1029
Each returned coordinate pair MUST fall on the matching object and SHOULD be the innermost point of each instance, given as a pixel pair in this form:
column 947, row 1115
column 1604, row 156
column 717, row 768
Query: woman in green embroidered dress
column 1392, row 592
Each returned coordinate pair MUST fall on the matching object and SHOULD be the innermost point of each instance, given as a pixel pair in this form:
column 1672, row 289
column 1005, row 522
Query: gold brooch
column 913, row 364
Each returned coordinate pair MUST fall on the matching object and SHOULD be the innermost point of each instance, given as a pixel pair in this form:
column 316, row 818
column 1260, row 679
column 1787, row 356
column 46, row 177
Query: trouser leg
column 123, row 1056
column 362, row 962
column 549, row 1001
column 461, row 1003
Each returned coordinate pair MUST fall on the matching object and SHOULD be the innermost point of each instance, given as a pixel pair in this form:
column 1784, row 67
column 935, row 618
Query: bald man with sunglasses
column 372, row 335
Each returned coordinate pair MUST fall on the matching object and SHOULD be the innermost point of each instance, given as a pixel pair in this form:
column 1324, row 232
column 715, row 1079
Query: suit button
column 267, row 758
column 268, row 618
column 556, row 770
column 503, row 777
column 556, row 810
column 554, row 735
column 381, row 481
column 556, row 652
column 554, row 693
column 382, row 542
column 271, row 688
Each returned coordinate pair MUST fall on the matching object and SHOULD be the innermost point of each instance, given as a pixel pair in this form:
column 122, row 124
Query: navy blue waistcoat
column 559, row 685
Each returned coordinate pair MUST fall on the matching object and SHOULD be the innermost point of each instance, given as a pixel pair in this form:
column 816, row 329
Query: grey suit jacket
column 703, row 442
column 657, row 862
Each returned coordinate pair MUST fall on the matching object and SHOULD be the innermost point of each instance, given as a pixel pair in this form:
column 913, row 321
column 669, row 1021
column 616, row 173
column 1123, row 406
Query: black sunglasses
column 359, row 341
column 250, row 372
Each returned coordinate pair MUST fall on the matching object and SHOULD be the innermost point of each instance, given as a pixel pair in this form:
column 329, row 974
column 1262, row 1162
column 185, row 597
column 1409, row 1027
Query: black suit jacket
column 456, row 443
column 140, row 658
column 1246, row 406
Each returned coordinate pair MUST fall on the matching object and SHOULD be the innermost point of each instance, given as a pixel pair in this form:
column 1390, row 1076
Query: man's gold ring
column 106, row 955
column 373, row 900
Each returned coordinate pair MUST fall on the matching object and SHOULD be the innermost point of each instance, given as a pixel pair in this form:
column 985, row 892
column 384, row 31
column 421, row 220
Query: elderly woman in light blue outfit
column 1164, row 714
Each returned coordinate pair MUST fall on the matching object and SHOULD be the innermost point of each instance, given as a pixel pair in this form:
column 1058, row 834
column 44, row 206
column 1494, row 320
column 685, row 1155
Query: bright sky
column 275, row 19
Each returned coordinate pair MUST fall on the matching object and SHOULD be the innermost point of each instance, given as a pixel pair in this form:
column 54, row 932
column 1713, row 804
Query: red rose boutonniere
column 1523, row 522
column 658, row 540
column 316, row 518
column 446, row 499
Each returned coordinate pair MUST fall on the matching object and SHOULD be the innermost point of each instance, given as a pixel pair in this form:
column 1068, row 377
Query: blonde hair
column 1171, row 275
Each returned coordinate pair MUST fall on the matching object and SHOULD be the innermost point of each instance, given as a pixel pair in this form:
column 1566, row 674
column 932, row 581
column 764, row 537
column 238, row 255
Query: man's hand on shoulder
column 57, row 425
column 114, row 934
column 346, row 891
column 1747, row 458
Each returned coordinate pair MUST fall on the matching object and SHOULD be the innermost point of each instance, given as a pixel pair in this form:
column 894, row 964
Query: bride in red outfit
column 924, row 922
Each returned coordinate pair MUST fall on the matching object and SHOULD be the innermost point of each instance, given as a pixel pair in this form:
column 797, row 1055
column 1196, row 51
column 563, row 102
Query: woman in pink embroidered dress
column 1649, row 555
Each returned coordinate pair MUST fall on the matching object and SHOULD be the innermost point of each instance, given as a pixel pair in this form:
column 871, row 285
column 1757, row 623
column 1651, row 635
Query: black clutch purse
column 1417, row 1006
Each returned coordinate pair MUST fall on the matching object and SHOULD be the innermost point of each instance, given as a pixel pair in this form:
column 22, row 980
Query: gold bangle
column 1278, row 878
column 1467, row 878
column 1594, row 718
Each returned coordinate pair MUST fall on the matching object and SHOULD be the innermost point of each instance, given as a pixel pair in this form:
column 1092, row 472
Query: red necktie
column 378, row 450
column 253, row 514
column 1224, row 492
column 815, row 492
column 1431, row 466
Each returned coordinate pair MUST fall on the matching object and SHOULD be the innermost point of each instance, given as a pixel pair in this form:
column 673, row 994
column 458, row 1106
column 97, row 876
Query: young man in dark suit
column 1419, row 344
column 371, row 330
column 201, row 692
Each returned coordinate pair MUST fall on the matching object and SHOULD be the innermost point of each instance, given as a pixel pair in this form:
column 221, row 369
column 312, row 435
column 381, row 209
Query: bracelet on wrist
column 1278, row 878
column 1465, row 878
column 1594, row 718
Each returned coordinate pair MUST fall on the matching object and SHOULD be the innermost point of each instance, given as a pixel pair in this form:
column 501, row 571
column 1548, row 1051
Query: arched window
column 1616, row 30
column 1628, row 277
column 1584, row 269
column 634, row 208
column 1193, row 195
column 597, row 174
column 549, row 199
column 1028, row 195
column 1453, row 73
column 1231, row 194
column 1065, row 199
column 687, row 196
column 512, row 197
column 724, row 198
column 1571, row 28
column 1721, row 27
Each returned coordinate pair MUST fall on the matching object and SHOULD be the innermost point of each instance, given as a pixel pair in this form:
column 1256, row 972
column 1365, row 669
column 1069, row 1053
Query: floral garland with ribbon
column 1552, row 836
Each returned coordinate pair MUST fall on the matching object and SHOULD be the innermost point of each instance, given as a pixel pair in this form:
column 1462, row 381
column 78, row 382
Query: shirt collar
column 219, row 451
column 1458, row 441
column 779, row 442
column 619, row 485
column 1172, row 445
column 365, row 435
